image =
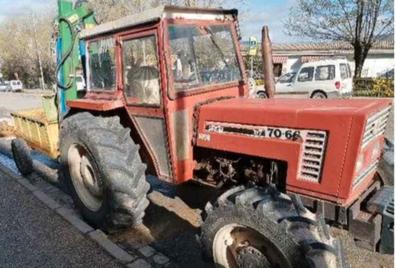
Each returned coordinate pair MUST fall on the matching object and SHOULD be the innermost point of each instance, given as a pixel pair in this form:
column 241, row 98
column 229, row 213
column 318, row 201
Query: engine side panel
column 341, row 121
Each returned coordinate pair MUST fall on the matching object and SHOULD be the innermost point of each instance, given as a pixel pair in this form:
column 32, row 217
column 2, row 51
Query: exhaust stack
column 268, row 68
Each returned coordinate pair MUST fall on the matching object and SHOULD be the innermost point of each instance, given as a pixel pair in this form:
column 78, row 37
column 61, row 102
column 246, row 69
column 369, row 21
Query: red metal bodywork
column 343, row 119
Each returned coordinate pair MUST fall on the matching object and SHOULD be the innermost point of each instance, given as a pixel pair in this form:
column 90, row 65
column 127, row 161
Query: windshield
column 202, row 55
column 287, row 78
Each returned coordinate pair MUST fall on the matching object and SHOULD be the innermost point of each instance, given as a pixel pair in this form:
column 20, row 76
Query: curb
column 96, row 236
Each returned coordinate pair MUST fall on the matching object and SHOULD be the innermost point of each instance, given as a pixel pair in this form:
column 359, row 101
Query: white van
column 320, row 79
column 16, row 85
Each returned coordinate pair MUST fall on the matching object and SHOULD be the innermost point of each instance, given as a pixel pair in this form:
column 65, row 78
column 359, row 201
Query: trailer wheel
column 262, row 228
column 102, row 168
column 22, row 156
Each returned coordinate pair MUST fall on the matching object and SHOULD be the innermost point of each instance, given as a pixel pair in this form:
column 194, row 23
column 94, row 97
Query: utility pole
column 34, row 21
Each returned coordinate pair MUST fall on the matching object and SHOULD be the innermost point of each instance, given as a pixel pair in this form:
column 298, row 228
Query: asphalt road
column 32, row 235
column 10, row 102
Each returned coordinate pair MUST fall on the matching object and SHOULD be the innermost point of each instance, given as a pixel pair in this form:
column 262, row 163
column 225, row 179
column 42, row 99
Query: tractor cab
column 183, row 51
column 160, row 65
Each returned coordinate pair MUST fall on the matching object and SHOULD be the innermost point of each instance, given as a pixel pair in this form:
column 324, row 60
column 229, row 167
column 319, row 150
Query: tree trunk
column 360, row 55
column 42, row 82
column 359, row 60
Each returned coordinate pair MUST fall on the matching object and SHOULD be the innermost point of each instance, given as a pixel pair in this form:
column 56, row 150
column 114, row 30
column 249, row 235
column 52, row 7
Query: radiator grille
column 375, row 126
column 312, row 155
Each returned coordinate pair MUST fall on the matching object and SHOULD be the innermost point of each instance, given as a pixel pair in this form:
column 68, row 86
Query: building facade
column 289, row 57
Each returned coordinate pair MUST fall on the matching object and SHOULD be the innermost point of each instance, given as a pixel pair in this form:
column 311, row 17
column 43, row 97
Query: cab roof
column 156, row 14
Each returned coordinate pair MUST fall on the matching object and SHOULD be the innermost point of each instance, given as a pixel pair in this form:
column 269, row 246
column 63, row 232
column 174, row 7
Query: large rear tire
column 103, row 171
column 263, row 228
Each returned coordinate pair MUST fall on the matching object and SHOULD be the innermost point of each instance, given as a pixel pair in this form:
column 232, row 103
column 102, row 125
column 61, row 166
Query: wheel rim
column 84, row 178
column 237, row 246
column 262, row 95
column 318, row 96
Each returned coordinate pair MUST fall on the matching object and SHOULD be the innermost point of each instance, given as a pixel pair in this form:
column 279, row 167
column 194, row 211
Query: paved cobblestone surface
column 55, row 198
column 33, row 235
column 139, row 263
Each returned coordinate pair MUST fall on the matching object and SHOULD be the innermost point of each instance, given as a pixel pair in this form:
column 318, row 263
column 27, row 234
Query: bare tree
column 37, row 49
column 110, row 10
column 25, row 49
column 360, row 23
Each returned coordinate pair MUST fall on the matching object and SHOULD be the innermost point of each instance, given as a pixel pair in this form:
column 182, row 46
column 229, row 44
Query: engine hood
column 295, row 113
column 320, row 140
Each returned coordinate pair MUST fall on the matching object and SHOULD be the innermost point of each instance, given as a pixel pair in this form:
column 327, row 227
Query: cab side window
column 325, row 72
column 306, row 74
column 102, row 64
column 141, row 71
column 344, row 71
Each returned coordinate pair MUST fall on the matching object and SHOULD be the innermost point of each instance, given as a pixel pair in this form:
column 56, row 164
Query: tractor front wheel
column 263, row 228
column 103, row 171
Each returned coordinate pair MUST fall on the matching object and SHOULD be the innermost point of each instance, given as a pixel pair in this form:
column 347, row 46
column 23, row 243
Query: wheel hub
column 85, row 182
column 241, row 246
column 250, row 257
column 89, row 179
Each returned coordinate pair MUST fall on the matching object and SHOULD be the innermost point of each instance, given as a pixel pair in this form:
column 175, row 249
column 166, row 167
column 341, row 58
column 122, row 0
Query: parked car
column 4, row 86
column 16, row 85
column 320, row 79
column 80, row 82
column 389, row 74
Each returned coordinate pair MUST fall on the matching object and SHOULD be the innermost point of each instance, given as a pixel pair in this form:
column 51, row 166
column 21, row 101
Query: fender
column 101, row 105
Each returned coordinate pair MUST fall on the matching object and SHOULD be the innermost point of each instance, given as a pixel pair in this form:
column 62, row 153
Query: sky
column 253, row 15
column 256, row 13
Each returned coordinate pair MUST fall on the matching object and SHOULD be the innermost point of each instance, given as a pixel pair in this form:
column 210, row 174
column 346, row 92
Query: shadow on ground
column 172, row 222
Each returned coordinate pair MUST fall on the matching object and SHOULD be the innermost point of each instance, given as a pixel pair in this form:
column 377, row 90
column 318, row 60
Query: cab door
column 346, row 78
column 142, row 88
column 304, row 81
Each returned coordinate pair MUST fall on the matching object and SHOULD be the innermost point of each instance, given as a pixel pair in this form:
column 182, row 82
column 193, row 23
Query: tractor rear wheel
column 103, row 171
column 263, row 228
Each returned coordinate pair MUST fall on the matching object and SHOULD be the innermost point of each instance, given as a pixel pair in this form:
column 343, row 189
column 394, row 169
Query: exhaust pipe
column 268, row 67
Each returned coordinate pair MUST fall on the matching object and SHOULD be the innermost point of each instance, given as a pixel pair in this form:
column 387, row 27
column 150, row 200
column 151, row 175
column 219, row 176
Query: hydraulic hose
column 70, row 49
column 66, row 55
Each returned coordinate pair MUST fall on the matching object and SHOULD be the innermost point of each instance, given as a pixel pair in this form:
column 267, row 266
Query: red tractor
column 167, row 96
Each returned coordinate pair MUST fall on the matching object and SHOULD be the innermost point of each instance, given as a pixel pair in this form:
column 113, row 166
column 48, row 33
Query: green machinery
column 70, row 51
